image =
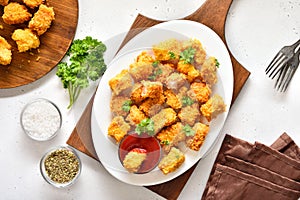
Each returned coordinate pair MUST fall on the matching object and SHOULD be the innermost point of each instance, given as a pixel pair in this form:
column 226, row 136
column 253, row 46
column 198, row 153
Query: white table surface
column 255, row 31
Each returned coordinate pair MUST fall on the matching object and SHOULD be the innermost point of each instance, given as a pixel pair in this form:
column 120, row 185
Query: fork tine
column 286, row 79
column 275, row 59
column 281, row 77
column 289, row 79
column 279, row 65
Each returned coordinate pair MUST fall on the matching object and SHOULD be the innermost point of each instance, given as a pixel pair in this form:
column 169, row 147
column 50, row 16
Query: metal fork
column 281, row 58
column 287, row 72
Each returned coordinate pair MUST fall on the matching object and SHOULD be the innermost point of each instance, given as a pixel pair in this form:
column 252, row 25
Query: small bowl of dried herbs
column 60, row 166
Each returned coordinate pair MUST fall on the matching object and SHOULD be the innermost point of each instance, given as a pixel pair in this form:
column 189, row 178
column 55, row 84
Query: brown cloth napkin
column 255, row 171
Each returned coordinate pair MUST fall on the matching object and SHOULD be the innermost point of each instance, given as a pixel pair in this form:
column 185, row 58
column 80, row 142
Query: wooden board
column 29, row 66
column 213, row 14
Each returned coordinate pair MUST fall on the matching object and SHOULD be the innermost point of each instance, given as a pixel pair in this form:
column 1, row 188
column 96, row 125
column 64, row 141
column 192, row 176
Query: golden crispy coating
column 172, row 161
column 171, row 45
column 4, row 44
column 200, row 53
column 136, row 93
column 5, row 56
column 151, row 89
column 164, row 54
column 121, row 82
column 135, row 115
column 188, row 69
column 201, row 131
column 166, row 70
column 171, row 136
column 202, row 91
column 5, row 52
column 213, row 107
column 175, row 81
column 33, row 3
column 165, row 117
column 15, row 13
column 133, row 161
column 143, row 59
column 189, row 114
column 118, row 128
column 116, row 105
column 42, row 19
column 141, row 72
column 25, row 39
column 152, row 106
column 208, row 71
column 3, row 2
column 172, row 100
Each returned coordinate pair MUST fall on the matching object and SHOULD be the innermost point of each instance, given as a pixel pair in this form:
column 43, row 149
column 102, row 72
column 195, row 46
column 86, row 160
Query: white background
column 255, row 31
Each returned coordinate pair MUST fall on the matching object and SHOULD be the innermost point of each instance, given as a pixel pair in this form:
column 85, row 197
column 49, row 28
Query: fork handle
column 296, row 44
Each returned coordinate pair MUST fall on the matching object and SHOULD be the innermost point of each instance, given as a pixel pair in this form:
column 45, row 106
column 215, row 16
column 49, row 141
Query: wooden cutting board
column 29, row 66
column 213, row 14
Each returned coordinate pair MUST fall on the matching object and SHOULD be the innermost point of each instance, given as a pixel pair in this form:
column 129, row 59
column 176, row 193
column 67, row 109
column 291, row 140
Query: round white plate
column 101, row 116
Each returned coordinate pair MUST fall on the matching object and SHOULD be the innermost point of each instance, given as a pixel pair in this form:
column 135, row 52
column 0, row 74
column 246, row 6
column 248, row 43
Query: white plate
column 101, row 115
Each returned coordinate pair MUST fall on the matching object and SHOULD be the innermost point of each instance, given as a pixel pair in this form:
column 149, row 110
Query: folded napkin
column 255, row 171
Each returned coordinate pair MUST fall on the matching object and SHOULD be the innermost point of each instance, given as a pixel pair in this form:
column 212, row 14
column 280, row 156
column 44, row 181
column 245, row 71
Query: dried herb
column 188, row 130
column 61, row 166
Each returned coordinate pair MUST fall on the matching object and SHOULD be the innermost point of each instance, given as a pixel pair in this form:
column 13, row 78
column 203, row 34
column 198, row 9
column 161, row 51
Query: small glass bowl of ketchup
column 143, row 144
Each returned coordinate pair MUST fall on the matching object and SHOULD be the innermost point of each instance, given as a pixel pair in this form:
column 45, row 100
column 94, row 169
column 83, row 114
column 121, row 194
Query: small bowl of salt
column 41, row 119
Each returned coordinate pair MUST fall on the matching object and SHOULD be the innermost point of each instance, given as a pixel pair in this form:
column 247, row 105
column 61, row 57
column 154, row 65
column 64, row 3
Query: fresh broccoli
column 86, row 64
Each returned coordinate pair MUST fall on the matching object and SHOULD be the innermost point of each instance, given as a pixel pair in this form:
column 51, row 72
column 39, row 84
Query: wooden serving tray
column 213, row 14
column 29, row 66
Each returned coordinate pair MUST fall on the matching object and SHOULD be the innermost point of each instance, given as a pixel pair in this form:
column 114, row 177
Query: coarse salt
column 41, row 119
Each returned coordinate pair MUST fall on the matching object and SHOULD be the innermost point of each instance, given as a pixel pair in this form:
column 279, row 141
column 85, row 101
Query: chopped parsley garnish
column 188, row 130
column 156, row 72
column 217, row 63
column 126, row 105
column 155, row 63
column 188, row 55
column 165, row 142
column 145, row 126
column 172, row 55
column 187, row 101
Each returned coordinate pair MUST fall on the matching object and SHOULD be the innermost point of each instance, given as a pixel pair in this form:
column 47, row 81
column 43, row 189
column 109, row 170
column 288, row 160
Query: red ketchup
column 144, row 144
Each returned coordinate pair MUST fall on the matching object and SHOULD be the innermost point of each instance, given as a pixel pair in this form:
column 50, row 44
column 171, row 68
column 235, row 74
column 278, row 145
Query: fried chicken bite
column 33, row 3
column 208, row 71
column 117, row 105
column 4, row 2
column 42, row 19
column 121, row 82
column 151, row 89
column 136, row 93
column 165, row 117
column 172, row 99
column 135, row 115
column 133, row 160
column 141, row 72
column 189, row 114
column 152, row 106
column 202, row 91
column 172, row 161
column 15, row 13
column 25, row 39
column 171, row 136
column 5, row 52
column 118, row 128
column 201, row 130
column 213, row 107
column 175, row 81
column 188, row 69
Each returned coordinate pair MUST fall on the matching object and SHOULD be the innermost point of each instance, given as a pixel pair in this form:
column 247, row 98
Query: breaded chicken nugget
column 213, row 107
column 33, row 3
column 189, row 114
column 135, row 115
column 15, row 13
column 202, row 91
column 151, row 89
column 152, row 106
column 133, row 160
column 201, row 130
column 136, row 93
column 5, row 52
column 171, row 136
column 25, row 39
column 200, row 53
column 143, row 59
column 188, row 69
column 42, row 19
column 121, row 82
column 172, row 161
column 172, row 100
column 4, row 2
column 208, row 71
column 165, row 117
column 117, row 105
column 175, row 81
column 118, row 128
